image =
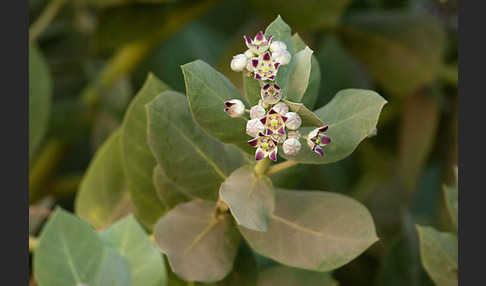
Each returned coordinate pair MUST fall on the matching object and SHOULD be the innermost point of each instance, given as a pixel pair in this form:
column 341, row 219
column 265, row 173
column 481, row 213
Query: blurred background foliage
column 89, row 57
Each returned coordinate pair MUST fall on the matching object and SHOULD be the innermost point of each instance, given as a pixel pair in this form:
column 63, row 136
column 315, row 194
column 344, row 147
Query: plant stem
column 45, row 18
column 262, row 166
column 33, row 242
column 281, row 166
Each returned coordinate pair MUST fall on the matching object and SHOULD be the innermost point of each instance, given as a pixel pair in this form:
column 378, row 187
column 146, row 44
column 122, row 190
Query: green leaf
column 190, row 158
column 245, row 269
column 169, row 193
column 451, row 194
column 312, row 92
column 200, row 246
column 282, row 32
column 308, row 117
column 439, row 254
column 251, row 199
column 40, row 93
column 138, row 161
column 103, row 196
column 383, row 41
column 70, row 252
column 131, row 241
column 314, row 230
column 252, row 89
column 352, row 115
column 300, row 74
column 288, row 276
column 207, row 90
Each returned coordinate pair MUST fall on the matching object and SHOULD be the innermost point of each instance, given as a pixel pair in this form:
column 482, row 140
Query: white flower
column 281, row 108
column 282, row 57
column 234, row 108
column 277, row 46
column 254, row 127
column 249, row 54
column 316, row 140
column 291, row 146
column 293, row 120
column 257, row 112
column 270, row 93
column 239, row 62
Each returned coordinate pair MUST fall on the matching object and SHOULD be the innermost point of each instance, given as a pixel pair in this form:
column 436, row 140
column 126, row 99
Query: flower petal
column 325, row 140
column 266, row 56
column 253, row 142
column 323, row 128
column 259, row 154
column 318, row 150
column 273, row 155
column 259, row 36
column 263, row 119
column 247, row 40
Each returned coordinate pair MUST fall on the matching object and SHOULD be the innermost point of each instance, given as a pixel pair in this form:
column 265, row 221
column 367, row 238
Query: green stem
column 262, row 166
column 45, row 18
column 281, row 166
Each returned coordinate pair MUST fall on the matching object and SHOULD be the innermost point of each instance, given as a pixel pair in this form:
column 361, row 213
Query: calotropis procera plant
column 198, row 172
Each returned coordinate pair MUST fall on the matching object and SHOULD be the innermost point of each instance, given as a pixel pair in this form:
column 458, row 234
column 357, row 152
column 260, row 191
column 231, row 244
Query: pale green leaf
column 189, row 157
column 314, row 230
column 70, row 252
column 352, row 115
column 311, row 94
column 251, row 198
column 308, row 117
column 299, row 76
column 131, row 241
column 439, row 254
column 288, row 276
column 169, row 193
column 207, row 90
column 103, row 196
column 40, row 93
column 138, row 160
column 200, row 246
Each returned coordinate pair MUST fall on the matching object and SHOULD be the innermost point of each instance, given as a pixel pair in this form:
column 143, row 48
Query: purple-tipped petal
column 284, row 118
column 254, row 62
column 269, row 40
column 269, row 132
column 263, row 120
column 266, row 86
column 271, row 77
column 259, row 155
column 276, row 65
column 261, row 134
column 276, row 87
column 226, row 109
column 325, row 140
column 318, row 150
column 323, row 128
column 274, row 141
column 273, row 155
column 253, row 142
column 259, row 36
column 228, row 104
column 272, row 111
column 257, row 76
column 266, row 56
column 281, row 131
column 247, row 40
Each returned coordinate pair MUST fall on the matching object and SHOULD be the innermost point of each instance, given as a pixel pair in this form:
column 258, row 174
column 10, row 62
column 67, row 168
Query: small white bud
column 239, row 62
column 282, row 57
column 293, row 120
column 291, row 146
column 254, row 126
column 249, row 54
column 257, row 111
column 234, row 108
column 281, row 108
column 277, row 46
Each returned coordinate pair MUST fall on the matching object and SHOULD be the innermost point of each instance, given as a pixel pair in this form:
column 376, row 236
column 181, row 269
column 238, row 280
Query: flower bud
column 277, row 46
column 293, row 120
column 254, row 127
column 249, row 54
column 234, row 108
column 291, row 146
column 257, row 112
column 281, row 108
column 239, row 62
column 282, row 57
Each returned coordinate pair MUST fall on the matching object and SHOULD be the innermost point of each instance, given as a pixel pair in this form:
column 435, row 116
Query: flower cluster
column 270, row 124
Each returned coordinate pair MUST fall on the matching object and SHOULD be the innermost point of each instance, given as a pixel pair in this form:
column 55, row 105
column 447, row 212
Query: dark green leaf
column 138, row 160
column 131, row 241
column 352, row 115
column 451, row 194
column 169, row 193
column 207, row 90
column 439, row 254
column 314, row 230
column 189, row 157
column 251, row 199
column 103, row 196
column 40, row 93
column 199, row 245
column 288, row 276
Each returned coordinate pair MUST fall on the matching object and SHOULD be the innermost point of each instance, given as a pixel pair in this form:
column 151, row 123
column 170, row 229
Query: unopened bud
column 239, row 62
column 291, row 146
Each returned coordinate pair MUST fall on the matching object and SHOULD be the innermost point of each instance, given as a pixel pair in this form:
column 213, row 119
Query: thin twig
column 281, row 166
